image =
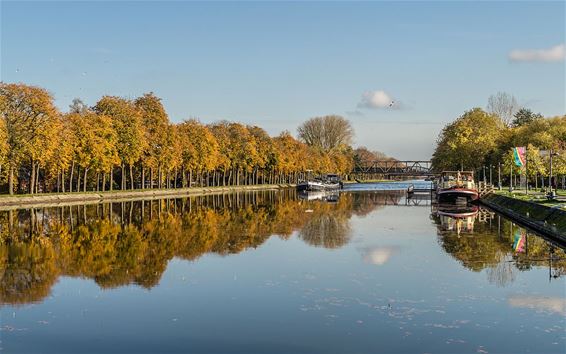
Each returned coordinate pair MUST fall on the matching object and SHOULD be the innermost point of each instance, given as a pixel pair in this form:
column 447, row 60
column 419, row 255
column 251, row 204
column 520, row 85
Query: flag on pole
column 519, row 156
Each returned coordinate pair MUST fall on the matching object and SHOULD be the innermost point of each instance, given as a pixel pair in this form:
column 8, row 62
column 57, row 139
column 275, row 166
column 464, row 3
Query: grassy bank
column 536, row 197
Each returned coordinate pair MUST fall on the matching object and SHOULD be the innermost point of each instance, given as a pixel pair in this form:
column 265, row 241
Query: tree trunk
column 104, row 181
column 11, row 180
column 71, row 176
column 142, row 177
column 122, row 179
column 78, row 178
column 37, row 178
column 151, row 177
column 63, row 180
column 132, row 176
column 84, row 179
column 58, row 181
column 32, row 178
column 111, row 179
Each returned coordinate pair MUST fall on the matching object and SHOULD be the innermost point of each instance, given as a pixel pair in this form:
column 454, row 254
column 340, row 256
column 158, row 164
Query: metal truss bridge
column 393, row 168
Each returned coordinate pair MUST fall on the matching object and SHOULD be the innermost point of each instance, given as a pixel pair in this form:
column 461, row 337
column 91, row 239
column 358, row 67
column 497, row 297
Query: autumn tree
column 199, row 149
column 326, row 133
column 155, row 123
column 265, row 158
column 95, row 143
column 221, row 133
column 30, row 118
column 292, row 157
column 64, row 149
column 127, row 122
column 4, row 147
column 171, row 156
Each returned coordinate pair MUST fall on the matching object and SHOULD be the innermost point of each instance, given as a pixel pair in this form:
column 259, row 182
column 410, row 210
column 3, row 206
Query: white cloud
column 377, row 99
column 556, row 53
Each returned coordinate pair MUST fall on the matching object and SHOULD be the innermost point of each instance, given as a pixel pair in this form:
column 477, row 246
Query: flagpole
column 511, row 177
column 527, row 170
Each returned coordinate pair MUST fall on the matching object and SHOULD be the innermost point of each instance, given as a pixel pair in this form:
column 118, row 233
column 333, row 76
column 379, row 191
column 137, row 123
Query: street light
column 552, row 153
column 499, row 175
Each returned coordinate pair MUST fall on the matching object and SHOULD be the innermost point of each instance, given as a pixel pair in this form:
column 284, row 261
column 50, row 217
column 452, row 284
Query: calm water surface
column 269, row 272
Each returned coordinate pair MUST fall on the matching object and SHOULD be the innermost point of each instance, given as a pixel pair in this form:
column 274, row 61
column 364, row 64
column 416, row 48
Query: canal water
column 367, row 271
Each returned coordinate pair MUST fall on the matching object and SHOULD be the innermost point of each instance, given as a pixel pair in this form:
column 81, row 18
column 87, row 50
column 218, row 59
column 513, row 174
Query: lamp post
column 499, row 175
column 552, row 153
column 527, row 169
column 511, row 178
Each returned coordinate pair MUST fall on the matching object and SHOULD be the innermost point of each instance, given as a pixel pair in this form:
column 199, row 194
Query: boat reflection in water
column 457, row 217
column 325, row 196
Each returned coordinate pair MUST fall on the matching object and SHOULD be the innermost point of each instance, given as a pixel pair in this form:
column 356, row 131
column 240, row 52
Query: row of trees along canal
column 131, row 144
column 479, row 139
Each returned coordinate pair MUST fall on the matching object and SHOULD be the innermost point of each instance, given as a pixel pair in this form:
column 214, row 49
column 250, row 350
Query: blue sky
column 276, row 64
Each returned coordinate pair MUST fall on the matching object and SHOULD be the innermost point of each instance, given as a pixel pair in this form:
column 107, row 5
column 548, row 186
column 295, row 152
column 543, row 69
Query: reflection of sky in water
column 550, row 304
column 378, row 255
column 392, row 288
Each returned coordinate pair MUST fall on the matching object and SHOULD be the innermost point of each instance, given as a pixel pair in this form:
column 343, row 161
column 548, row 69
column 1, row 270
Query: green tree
column 469, row 142
column 525, row 116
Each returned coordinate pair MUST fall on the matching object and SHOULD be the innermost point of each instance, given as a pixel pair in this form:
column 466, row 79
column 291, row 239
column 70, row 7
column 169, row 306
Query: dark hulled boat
column 327, row 183
column 456, row 187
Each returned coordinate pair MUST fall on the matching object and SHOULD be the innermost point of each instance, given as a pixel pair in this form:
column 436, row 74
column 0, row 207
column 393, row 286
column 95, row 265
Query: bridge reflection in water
column 118, row 244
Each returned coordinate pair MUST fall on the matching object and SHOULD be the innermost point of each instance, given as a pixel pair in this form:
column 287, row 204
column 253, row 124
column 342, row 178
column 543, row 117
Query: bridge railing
column 391, row 167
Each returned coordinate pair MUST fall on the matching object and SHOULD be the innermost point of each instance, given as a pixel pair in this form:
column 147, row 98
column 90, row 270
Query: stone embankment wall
column 548, row 221
column 46, row 200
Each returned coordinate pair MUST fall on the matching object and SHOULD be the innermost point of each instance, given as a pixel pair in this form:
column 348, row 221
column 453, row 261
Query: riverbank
column 549, row 221
column 537, row 197
column 13, row 202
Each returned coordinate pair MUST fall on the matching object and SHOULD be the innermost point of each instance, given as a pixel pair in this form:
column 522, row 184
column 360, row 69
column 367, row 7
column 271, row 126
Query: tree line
column 122, row 143
column 480, row 138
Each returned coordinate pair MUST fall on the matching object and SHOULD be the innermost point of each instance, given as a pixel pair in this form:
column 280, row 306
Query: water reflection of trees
column 488, row 245
column 132, row 242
